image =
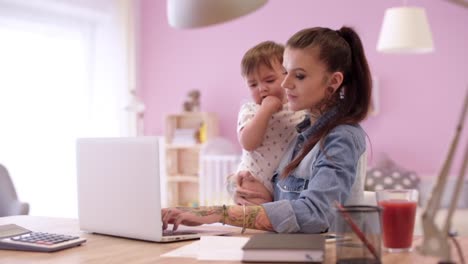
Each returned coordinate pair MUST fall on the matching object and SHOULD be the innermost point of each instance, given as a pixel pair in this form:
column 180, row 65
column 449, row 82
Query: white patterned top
column 263, row 161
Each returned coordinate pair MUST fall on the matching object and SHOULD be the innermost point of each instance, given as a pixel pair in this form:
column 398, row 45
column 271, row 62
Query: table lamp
column 200, row 13
column 436, row 239
column 405, row 30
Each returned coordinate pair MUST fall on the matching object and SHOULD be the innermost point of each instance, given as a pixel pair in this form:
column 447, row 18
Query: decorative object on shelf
column 436, row 239
column 200, row 13
column 386, row 174
column 405, row 30
column 202, row 136
column 193, row 102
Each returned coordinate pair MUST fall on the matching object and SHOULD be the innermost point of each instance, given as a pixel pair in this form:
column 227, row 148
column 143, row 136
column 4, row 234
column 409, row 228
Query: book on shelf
column 284, row 248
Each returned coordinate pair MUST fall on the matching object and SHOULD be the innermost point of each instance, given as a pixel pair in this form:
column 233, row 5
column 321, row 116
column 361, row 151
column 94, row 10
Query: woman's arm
column 255, row 216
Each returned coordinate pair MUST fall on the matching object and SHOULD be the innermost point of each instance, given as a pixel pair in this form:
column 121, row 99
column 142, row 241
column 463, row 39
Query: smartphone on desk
column 14, row 237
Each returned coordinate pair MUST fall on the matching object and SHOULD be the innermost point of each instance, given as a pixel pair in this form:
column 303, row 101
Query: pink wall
column 420, row 95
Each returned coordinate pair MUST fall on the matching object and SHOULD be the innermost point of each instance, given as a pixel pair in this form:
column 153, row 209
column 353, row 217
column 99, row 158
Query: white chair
column 369, row 198
column 356, row 196
column 9, row 203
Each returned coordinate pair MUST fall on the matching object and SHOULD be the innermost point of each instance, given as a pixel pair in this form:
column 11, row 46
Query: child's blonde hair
column 263, row 53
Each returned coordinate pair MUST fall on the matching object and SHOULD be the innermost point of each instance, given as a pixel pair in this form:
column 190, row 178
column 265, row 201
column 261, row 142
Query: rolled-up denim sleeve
column 282, row 216
column 332, row 175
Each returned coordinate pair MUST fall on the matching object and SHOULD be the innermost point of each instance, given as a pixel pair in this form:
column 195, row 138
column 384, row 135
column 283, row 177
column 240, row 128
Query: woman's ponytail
column 359, row 82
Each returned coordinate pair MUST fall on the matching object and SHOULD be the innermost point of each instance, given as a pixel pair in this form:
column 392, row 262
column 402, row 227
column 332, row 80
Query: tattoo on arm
column 184, row 209
column 208, row 210
column 255, row 217
column 203, row 211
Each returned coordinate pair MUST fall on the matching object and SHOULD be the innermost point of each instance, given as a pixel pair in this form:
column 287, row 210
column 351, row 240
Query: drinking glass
column 398, row 216
column 358, row 235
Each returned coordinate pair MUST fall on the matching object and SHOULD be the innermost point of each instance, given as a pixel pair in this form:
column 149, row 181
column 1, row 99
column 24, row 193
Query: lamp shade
column 199, row 13
column 405, row 30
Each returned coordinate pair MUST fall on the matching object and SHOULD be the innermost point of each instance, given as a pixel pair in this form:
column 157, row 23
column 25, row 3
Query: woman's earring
column 342, row 93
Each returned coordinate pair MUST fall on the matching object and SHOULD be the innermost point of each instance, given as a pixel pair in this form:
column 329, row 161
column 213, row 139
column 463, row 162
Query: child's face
column 265, row 82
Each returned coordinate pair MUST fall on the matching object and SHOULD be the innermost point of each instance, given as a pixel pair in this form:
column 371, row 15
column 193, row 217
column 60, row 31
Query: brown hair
column 341, row 51
column 262, row 53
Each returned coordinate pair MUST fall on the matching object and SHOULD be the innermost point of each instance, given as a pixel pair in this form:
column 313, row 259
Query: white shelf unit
column 182, row 159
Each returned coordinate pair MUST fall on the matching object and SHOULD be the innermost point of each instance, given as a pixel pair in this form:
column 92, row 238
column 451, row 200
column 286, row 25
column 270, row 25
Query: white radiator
column 214, row 170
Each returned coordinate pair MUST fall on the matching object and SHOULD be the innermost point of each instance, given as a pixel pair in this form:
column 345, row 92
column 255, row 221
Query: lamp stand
column 436, row 240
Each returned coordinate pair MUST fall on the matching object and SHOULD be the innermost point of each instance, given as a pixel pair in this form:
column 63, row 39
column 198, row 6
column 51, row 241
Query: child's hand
column 272, row 103
column 249, row 191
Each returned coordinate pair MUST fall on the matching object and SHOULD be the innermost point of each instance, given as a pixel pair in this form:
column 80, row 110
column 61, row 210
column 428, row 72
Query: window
column 63, row 77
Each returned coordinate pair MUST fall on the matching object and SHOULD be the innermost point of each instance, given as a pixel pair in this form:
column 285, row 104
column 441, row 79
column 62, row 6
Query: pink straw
column 356, row 229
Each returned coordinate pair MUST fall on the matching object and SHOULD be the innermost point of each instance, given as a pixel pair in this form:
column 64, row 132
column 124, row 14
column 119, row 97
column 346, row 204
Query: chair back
column 370, row 198
column 9, row 203
column 356, row 196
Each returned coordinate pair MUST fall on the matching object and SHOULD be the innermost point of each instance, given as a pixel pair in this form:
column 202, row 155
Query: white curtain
column 64, row 75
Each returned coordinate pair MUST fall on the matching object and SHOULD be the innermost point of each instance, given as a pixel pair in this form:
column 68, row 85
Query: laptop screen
column 119, row 186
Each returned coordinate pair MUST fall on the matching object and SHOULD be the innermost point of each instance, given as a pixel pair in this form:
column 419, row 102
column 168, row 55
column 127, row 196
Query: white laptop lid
column 118, row 187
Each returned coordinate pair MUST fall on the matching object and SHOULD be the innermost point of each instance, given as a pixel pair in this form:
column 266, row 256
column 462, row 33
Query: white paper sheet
column 188, row 251
column 221, row 248
column 211, row 248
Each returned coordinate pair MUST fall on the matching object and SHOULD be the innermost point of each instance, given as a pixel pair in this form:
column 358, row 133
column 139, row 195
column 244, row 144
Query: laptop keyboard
column 177, row 233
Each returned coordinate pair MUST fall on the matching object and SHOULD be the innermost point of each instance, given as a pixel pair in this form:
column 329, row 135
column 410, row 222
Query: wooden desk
column 107, row 249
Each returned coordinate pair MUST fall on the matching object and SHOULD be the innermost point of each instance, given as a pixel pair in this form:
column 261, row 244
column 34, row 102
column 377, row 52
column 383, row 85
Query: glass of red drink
column 398, row 217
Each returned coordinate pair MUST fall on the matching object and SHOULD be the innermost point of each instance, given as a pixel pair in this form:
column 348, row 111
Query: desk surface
column 107, row 249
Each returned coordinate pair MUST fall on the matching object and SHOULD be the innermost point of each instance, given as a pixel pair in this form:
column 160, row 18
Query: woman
column 328, row 75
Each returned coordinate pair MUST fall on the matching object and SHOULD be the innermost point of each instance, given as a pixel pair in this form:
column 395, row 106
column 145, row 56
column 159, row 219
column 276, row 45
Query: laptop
column 119, row 190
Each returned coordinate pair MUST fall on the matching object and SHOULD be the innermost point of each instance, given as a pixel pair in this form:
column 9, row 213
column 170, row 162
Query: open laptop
column 119, row 190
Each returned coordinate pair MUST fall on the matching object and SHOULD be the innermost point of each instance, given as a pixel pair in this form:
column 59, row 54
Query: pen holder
column 358, row 234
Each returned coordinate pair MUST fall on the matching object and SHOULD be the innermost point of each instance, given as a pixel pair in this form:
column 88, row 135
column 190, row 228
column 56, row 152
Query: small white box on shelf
column 185, row 136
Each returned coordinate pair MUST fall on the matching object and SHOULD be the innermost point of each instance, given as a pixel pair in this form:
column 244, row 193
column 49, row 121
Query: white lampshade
column 405, row 30
column 199, row 13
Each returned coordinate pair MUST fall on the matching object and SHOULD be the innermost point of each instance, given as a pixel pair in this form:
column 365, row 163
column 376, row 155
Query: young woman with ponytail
column 326, row 74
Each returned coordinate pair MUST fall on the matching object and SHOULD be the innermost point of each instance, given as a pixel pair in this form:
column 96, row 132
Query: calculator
column 14, row 237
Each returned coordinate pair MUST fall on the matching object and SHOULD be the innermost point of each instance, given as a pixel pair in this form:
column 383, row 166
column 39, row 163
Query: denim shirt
column 303, row 201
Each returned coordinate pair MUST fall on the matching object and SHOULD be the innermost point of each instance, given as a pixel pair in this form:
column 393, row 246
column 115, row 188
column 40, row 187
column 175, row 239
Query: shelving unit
column 183, row 154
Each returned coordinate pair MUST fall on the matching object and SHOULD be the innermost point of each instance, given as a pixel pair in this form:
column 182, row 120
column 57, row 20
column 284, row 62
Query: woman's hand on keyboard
column 191, row 216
